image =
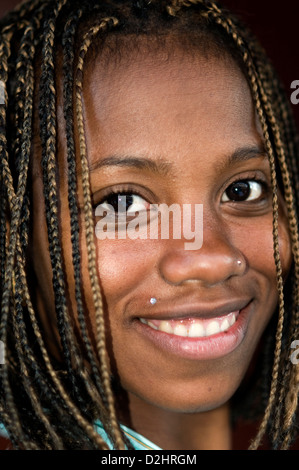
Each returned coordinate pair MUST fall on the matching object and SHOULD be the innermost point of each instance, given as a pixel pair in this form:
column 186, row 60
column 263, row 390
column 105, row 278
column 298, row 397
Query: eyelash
column 129, row 191
column 125, row 191
column 264, row 187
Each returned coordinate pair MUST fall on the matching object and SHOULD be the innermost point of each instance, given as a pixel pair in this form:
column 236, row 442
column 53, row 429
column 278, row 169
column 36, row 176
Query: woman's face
column 176, row 131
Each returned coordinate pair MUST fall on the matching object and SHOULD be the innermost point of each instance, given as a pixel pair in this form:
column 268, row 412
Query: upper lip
column 196, row 310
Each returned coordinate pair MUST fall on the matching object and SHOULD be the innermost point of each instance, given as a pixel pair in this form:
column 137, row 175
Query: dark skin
column 192, row 115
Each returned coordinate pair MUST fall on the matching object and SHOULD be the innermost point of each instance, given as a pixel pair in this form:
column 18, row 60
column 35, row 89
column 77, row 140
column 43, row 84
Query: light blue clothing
column 3, row 432
column 138, row 442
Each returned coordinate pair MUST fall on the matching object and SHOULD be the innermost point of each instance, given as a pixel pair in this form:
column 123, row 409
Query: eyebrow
column 142, row 163
column 163, row 166
column 243, row 154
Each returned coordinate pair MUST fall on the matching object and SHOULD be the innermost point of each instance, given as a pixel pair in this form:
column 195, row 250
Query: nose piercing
column 241, row 263
column 153, row 300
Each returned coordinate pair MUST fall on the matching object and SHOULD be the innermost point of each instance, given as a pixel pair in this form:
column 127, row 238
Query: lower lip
column 208, row 347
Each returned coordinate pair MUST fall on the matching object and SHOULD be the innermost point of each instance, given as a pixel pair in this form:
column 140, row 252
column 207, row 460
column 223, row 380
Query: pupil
column 120, row 202
column 239, row 191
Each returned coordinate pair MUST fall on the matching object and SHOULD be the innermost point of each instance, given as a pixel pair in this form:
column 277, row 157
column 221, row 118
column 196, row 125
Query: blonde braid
column 89, row 226
column 83, row 423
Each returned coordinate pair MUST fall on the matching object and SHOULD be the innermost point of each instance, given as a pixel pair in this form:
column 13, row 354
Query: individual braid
column 68, row 66
column 89, row 228
column 24, row 58
column 3, row 232
column 293, row 228
column 7, row 281
column 24, row 351
column 59, row 390
column 47, row 115
column 291, row 143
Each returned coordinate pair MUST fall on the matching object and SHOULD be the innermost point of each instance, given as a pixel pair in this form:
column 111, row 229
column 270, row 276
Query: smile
column 204, row 334
column 193, row 327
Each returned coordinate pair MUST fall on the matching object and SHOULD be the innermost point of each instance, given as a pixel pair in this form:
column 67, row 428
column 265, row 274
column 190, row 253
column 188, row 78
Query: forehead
column 153, row 100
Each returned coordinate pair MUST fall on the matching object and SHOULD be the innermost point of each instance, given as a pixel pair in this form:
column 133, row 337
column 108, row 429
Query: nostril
column 211, row 267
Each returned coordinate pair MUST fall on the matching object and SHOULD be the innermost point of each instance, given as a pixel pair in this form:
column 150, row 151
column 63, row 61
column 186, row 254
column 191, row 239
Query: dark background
column 276, row 24
column 277, row 28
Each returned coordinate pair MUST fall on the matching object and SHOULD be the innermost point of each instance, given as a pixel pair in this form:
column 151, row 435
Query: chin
column 204, row 396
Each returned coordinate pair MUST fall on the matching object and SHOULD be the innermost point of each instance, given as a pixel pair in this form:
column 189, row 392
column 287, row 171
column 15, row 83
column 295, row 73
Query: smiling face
column 181, row 131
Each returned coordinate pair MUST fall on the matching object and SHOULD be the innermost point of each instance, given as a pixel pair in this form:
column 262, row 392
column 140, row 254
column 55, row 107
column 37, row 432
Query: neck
column 209, row 430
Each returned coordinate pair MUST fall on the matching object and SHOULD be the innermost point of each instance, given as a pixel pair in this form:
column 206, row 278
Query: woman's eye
column 128, row 203
column 243, row 191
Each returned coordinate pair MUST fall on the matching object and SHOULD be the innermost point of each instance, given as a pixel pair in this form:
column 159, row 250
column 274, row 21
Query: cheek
column 258, row 248
column 123, row 265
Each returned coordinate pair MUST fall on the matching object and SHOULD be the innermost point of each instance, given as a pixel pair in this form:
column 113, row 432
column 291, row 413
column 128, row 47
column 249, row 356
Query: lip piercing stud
column 153, row 300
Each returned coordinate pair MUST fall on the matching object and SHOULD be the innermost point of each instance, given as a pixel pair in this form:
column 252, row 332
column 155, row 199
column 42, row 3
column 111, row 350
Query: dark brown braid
column 46, row 405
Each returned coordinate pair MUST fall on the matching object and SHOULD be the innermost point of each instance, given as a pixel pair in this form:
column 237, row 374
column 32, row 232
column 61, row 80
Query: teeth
column 212, row 328
column 194, row 328
column 225, row 325
column 152, row 325
column 166, row 327
column 180, row 330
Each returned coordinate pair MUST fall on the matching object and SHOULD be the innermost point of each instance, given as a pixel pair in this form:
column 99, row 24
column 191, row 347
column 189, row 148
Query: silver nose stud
column 153, row 300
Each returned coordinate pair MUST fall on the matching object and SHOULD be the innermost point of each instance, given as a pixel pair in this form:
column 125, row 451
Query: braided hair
column 47, row 405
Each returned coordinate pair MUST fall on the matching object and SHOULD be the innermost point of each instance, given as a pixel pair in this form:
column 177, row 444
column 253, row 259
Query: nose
column 215, row 262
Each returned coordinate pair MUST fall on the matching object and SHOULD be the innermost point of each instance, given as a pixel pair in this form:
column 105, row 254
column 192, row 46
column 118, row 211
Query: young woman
column 114, row 338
